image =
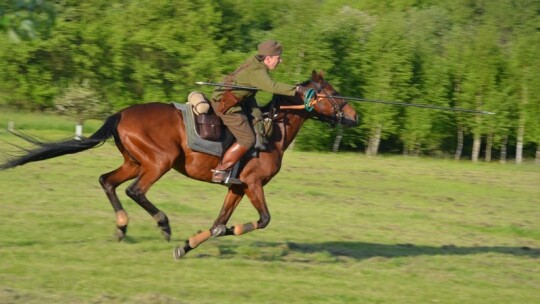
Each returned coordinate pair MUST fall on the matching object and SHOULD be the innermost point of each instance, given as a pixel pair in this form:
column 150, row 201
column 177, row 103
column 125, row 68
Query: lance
column 417, row 105
column 232, row 86
column 395, row 103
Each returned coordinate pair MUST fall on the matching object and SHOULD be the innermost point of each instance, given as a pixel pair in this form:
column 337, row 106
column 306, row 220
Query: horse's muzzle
column 350, row 122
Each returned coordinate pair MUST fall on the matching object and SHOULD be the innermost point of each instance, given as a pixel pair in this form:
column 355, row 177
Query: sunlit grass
column 345, row 229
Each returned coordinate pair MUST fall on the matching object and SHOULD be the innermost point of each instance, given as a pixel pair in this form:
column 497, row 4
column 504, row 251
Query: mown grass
column 345, row 229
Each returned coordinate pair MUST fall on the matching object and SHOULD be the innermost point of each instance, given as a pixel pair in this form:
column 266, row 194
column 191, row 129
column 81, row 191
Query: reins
column 309, row 102
column 311, row 99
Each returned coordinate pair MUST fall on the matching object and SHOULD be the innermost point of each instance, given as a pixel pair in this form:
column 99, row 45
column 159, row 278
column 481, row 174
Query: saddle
column 206, row 132
column 204, row 129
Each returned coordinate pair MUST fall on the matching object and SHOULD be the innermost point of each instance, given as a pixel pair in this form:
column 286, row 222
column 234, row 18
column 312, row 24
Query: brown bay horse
column 152, row 139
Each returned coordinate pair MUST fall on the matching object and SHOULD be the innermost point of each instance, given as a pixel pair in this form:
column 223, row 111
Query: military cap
column 270, row 48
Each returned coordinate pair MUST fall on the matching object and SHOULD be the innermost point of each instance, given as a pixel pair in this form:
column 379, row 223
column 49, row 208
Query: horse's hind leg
column 110, row 181
column 137, row 192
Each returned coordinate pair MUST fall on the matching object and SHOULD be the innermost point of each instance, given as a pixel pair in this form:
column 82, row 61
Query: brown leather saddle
column 205, row 130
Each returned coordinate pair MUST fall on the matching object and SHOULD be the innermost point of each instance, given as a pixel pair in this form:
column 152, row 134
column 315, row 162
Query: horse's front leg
column 255, row 193
column 232, row 199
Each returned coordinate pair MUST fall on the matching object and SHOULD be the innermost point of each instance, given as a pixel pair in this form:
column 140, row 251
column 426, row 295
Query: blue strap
column 310, row 93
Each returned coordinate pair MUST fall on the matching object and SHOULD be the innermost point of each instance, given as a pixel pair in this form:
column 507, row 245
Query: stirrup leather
column 224, row 177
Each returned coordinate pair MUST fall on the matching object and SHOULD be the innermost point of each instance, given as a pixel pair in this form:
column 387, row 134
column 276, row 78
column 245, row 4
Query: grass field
column 345, row 229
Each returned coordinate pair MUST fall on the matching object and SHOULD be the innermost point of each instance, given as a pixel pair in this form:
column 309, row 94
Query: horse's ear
column 314, row 75
column 317, row 77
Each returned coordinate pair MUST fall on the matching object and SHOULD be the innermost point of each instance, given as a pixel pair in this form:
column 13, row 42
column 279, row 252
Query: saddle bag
column 209, row 126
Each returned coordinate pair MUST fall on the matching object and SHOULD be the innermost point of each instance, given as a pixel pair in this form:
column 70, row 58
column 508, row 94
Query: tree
column 421, row 129
column 523, row 49
column 387, row 69
column 480, row 81
column 81, row 102
column 456, row 53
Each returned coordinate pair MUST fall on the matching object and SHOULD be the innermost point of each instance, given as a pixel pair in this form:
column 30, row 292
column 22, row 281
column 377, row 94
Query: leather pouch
column 228, row 100
column 209, row 126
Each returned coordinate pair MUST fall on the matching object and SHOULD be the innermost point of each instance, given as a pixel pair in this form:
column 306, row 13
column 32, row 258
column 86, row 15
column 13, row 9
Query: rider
column 234, row 105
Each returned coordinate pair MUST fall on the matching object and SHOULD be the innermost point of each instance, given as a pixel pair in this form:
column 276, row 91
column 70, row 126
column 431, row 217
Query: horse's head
column 326, row 104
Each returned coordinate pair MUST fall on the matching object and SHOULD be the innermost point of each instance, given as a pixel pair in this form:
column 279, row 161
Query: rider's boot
column 222, row 173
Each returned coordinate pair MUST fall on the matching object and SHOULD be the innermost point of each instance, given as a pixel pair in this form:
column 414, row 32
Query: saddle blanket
column 195, row 142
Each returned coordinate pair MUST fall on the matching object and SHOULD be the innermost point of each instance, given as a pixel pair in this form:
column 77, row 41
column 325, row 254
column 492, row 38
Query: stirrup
column 224, row 177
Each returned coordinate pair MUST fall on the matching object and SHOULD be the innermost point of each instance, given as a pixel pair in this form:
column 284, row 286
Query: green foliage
column 470, row 54
column 25, row 20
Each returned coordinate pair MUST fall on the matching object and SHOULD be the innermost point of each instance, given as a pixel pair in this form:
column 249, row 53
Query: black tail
column 46, row 150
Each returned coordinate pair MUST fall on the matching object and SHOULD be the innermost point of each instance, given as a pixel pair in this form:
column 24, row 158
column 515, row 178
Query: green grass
column 46, row 122
column 345, row 229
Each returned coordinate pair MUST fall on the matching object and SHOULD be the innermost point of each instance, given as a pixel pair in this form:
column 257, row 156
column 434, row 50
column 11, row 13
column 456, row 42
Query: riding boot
column 222, row 173
column 260, row 138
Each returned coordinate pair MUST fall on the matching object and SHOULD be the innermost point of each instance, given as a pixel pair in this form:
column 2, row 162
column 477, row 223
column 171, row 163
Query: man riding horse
column 234, row 105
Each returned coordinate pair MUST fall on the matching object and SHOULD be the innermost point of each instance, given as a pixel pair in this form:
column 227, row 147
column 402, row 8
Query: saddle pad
column 195, row 142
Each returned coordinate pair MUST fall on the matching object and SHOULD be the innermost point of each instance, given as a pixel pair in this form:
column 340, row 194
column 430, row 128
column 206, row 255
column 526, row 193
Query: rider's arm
column 258, row 77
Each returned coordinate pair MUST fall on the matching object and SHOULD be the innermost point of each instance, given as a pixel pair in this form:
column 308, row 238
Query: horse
column 152, row 140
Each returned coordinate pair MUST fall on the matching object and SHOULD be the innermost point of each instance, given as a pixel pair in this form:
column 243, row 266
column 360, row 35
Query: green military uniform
column 237, row 104
column 252, row 73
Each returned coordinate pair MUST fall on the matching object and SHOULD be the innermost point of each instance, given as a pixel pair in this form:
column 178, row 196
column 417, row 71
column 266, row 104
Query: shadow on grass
column 360, row 250
column 342, row 251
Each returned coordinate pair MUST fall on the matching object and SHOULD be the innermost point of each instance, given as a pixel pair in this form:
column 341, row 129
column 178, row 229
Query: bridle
column 313, row 96
column 337, row 108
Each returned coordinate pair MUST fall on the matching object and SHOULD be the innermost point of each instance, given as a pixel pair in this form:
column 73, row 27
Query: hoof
column 179, row 252
column 163, row 224
column 219, row 230
column 120, row 233
column 166, row 234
